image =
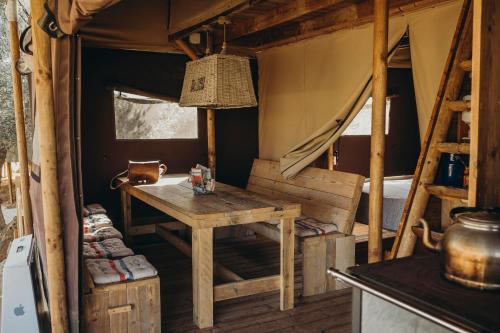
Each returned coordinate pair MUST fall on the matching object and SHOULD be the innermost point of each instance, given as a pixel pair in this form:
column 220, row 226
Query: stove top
column 418, row 281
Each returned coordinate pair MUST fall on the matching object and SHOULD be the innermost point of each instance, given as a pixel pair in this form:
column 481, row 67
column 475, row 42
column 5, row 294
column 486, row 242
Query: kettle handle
column 459, row 210
column 427, row 239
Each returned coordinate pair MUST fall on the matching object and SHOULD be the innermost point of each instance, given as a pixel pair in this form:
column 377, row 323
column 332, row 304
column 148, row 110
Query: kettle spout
column 427, row 239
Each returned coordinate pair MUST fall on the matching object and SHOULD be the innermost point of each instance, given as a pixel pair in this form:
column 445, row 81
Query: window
column 142, row 118
column 362, row 123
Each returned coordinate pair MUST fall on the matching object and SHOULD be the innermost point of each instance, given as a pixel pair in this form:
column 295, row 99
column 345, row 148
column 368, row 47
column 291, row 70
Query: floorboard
column 250, row 258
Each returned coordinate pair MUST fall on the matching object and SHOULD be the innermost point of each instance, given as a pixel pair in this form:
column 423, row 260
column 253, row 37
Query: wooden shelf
column 466, row 65
column 453, row 148
column 360, row 231
column 458, row 106
column 447, row 192
column 419, row 231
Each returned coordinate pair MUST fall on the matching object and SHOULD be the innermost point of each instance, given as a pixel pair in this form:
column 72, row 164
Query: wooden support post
column 203, row 278
column 210, row 119
column 210, row 112
column 56, row 276
column 22, row 151
column 379, row 94
column 211, row 139
column 21, row 229
column 330, row 158
column 484, row 188
column 126, row 203
column 186, row 49
column 10, row 183
column 287, row 242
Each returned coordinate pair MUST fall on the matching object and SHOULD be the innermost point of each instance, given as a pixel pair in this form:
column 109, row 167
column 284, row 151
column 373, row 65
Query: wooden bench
column 129, row 306
column 328, row 198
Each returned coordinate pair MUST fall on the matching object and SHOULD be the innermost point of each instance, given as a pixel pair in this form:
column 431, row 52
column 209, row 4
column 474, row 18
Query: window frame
column 126, row 89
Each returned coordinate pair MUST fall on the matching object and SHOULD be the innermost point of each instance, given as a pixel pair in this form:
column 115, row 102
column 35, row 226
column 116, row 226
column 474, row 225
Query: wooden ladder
column 448, row 106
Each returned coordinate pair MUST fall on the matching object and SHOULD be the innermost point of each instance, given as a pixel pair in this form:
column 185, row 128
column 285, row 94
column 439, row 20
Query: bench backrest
column 328, row 196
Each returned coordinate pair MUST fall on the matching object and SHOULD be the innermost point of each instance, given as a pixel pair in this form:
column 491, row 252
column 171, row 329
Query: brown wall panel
column 104, row 156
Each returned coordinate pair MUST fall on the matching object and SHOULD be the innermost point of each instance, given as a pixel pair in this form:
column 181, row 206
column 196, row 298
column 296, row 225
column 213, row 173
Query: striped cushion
column 109, row 248
column 130, row 268
column 101, row 234
column 306, row 226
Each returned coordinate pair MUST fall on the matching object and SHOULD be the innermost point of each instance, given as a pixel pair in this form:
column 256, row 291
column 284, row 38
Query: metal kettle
column 470, row 247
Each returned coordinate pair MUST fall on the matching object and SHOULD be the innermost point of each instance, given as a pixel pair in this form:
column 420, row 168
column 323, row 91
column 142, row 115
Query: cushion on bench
column 92, row 209
column 108, row 248
column 306, row 226
column 93, row 235
column 97, row 221
column 130, row 268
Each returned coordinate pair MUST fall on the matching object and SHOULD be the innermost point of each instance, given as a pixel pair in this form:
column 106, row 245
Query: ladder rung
column 453, row 148
column 458, row 106
column 447, row 192
column 466, row 65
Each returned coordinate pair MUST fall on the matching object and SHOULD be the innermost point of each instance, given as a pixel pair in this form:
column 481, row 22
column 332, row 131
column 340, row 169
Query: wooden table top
column 228, row 205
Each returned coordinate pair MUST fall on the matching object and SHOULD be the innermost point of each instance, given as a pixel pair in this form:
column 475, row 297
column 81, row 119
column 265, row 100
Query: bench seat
column 329, row 200
column 307, row 226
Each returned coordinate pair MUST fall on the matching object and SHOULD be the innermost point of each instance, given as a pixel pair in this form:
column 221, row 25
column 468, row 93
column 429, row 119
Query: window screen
column 142, row 118
column 362, row 123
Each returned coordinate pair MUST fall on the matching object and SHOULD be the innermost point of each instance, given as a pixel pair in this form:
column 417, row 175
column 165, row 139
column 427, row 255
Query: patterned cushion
column 108, row 248
column 93, row 222
column 306, row 226
column 98, row 235
column 129, row 268
column 92, row 209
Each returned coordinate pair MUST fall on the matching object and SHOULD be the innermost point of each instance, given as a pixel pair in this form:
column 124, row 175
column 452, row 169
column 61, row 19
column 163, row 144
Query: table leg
column 126, row 214
column 203, row 277
column 287, row 263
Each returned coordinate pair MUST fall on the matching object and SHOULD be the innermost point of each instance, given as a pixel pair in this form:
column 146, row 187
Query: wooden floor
column 249, row 257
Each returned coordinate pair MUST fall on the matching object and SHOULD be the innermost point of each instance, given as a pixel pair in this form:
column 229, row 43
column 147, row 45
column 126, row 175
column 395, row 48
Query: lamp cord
column 223, row 51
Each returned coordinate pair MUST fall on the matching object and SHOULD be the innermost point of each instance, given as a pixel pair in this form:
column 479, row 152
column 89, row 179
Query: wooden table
column 227, row 206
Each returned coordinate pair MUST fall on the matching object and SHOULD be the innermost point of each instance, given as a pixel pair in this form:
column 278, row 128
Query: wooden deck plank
column 251, row 258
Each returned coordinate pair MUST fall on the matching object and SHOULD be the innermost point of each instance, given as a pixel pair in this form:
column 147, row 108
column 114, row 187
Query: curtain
column 431, row 32
column 310, row 91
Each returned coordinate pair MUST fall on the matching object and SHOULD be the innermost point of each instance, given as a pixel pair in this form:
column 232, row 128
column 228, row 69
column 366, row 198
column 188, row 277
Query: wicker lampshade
column 218, row 81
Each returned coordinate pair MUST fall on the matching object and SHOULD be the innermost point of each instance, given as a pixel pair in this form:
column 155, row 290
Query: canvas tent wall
column 310, row 91
column 105, row 24
column 112, row 29
column 101, row 23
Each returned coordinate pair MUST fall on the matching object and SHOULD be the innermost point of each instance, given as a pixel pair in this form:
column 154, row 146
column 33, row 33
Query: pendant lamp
column 218, row 81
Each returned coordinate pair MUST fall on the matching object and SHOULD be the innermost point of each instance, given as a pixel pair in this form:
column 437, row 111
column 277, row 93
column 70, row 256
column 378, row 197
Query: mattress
column 395, row 194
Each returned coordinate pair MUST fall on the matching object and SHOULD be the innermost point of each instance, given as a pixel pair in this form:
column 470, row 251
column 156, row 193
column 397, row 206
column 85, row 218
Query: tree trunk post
column 10, row 182
column 56, row 276
column 210, row 112
column 22, row 151
column 379, row 94
column 330, row 158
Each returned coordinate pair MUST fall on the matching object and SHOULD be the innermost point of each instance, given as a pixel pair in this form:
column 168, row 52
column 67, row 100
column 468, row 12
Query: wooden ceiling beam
column 188, row 16
column 293, row 10
column 349, row 16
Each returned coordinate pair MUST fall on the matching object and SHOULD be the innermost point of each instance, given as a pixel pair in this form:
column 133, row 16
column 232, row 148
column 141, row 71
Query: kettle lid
column 477, row 215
